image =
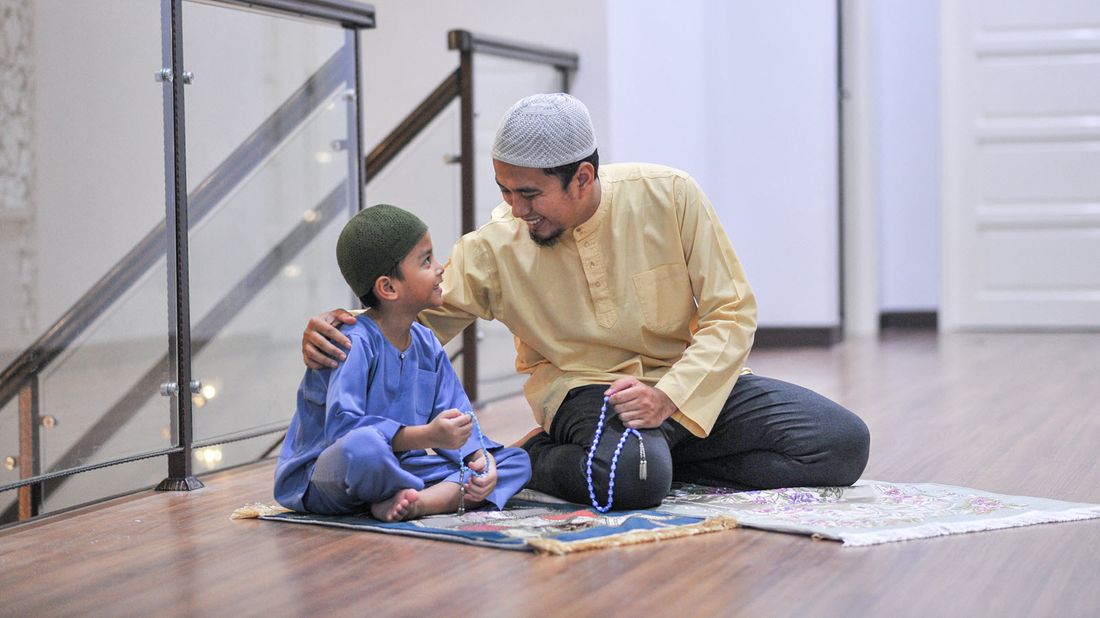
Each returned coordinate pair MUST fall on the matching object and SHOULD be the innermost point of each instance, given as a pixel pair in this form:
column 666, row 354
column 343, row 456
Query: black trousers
column 769, row 434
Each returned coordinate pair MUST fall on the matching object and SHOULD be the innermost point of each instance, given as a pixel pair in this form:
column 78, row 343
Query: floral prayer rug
column 557, row 528
column 872, row 512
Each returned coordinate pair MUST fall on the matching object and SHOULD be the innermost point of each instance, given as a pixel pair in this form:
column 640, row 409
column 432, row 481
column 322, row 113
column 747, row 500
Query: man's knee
column 640, row 482
column 851, row 449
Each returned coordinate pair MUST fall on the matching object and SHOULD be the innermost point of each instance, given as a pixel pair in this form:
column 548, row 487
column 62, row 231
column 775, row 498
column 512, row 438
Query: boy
column 358, row 437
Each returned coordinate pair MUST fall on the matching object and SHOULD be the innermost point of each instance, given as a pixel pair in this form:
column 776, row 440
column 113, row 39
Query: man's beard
column 546, row 241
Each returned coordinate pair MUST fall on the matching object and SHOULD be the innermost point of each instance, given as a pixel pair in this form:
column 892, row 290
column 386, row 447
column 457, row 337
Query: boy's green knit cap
column 373, row 242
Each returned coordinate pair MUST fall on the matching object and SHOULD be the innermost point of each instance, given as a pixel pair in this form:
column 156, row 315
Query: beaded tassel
column 464, row 469
column 614, row 460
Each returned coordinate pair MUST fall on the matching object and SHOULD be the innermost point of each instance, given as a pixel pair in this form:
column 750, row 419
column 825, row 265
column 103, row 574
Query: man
column 621, row 282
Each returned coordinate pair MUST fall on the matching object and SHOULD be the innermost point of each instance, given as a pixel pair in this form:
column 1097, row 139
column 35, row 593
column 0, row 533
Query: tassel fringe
column 257, row 510
column 943, row 529
column 559, row 548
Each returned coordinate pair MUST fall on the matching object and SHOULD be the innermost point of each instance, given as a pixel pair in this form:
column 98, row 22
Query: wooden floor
column 1010, row 413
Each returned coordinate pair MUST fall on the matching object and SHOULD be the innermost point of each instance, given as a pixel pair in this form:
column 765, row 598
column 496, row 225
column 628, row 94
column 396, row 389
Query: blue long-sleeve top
column 377, row 385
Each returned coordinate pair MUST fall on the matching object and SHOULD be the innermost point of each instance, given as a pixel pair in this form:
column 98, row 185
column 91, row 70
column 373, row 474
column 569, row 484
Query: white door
column 1021, row 164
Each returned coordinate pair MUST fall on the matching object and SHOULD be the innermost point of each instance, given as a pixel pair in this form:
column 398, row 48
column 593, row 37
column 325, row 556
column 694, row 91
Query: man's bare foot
column 527, row 436
column 403, row 505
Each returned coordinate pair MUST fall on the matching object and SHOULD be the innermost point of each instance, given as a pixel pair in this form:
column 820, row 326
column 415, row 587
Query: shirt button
column 599, row 283
column 588, row 243
column 592, row 262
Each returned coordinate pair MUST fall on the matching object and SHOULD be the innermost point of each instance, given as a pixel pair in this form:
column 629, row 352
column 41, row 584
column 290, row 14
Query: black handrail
column 411, row 126
column 348, row 13
column 464, row 40
column 213, row 189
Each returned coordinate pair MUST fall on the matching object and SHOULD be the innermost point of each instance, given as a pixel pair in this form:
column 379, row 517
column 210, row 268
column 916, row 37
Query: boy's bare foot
column 527, row 436
column 403, row 505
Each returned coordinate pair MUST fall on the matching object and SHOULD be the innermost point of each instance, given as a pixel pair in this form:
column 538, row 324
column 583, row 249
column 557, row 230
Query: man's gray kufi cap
column 545, row 130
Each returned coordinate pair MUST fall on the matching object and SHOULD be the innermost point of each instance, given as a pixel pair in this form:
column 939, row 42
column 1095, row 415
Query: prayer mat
column 558, row 528
column 872, row 512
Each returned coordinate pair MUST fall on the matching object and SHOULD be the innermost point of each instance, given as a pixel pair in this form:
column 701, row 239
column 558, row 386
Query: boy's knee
column 363, row 443
column 512, row 457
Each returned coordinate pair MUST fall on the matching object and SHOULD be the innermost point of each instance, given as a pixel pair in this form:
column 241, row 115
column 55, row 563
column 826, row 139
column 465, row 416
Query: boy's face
column 423, row 275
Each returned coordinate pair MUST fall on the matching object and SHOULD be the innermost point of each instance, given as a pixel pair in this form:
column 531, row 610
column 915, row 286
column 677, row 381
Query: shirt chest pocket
column 665, row 298
column 424, row 396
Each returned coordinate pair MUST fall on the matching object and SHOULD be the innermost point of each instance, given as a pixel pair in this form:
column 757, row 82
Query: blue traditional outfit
column 338, row 455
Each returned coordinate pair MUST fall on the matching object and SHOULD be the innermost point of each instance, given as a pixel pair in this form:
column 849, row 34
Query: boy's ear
column 384, row 288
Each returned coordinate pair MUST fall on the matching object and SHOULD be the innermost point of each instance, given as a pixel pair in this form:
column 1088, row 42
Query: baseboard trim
column 908, row 319
column 788, row 337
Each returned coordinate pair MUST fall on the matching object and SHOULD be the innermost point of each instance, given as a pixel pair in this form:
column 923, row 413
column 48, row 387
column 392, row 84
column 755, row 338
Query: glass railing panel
column 245, row 65
column 498, row 83
column 263, row 260
column 82, row 184
column 425, row 178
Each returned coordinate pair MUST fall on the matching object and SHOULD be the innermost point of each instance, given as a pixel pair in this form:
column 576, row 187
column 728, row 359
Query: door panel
column 1021, row 175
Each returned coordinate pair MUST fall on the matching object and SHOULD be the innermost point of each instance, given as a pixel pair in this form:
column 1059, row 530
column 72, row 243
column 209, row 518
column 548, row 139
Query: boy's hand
column 450, row 429
column 478, row 488
column 321, row 337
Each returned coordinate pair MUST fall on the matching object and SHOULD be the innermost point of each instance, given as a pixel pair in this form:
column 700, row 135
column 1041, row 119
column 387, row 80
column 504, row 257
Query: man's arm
column 699, row 383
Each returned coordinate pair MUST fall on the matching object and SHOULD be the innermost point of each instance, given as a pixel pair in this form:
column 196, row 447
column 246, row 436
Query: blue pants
column 361, row 468
column 769, row 434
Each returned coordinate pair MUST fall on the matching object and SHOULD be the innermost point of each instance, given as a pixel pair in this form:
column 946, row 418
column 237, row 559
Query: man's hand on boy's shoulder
column 322, row 336
column 451, row 429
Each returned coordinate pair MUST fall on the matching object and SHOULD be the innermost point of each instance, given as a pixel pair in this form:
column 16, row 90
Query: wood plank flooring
column 1011, row 413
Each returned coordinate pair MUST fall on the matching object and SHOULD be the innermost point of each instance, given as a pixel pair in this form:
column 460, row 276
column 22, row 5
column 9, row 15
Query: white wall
column 742, row 96
column 905, row 90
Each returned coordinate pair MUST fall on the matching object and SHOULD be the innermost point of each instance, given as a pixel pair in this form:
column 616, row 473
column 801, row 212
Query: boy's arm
column 449, row 429
column 450, row 394
column 411, row 438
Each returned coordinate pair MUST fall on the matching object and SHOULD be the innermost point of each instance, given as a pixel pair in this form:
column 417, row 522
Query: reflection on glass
column 90, row 178
column 263, row 258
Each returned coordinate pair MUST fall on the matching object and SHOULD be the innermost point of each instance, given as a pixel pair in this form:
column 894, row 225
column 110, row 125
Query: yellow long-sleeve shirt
column 648, row 287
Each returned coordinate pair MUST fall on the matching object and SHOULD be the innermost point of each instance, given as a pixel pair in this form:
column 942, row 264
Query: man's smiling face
column 539, row 201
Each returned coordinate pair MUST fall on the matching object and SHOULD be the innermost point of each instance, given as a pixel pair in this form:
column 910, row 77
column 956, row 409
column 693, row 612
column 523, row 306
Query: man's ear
column 585, row 177
column 384, row 288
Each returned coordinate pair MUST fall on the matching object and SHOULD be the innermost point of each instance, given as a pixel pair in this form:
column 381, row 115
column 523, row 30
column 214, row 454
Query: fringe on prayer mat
column 873, row 512
column 559, row 548
column 554, row 529
column 257, row 510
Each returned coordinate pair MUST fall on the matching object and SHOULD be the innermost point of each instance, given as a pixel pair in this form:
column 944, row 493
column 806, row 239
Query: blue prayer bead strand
column 484, row 449
column 614, row 460
column 464, row 469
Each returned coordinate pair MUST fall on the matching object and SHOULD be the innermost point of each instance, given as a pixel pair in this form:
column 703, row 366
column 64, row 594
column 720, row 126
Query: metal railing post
column 466, row 158
column 30, row 496
column 180, row 476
